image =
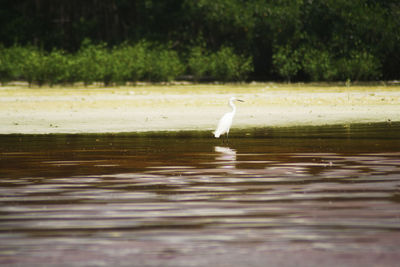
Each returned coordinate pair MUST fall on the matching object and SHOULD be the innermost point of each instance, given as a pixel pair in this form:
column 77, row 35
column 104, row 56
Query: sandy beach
column 181, row 107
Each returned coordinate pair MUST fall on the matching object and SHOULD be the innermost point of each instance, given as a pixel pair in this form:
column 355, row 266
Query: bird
column 225, row 122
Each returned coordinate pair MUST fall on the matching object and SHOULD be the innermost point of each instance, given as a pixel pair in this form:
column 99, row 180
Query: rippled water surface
column 71, row 196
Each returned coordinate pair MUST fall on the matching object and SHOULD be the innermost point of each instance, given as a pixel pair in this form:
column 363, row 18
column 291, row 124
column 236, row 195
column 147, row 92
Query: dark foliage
column 319, row 40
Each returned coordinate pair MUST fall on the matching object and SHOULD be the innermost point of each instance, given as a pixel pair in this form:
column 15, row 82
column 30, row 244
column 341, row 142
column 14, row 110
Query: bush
column 33, row 65
column 322, row 65
column 360, row 65
column 318, row 64
column 37, row 66
column 162, row 64
column 198, row 62
column 129, row 62
column 94, row 63
column 73, row 69
column 227, row 66
column 223, row 65
column 286, row 62
column 55, row 67
column 7, row 68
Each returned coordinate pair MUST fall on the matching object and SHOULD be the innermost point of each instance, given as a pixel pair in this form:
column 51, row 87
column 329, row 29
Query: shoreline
column 191, row 107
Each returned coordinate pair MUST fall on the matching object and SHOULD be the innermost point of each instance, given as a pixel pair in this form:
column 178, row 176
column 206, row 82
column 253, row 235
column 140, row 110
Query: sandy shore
column 190, row 107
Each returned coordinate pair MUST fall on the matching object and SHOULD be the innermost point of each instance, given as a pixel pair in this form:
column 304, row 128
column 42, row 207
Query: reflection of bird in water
column 227, row 158
column 225, row 122
column 225, row 150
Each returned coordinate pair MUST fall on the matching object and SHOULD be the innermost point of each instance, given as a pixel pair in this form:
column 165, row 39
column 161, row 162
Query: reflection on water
column 59, row 193
column 226, row 158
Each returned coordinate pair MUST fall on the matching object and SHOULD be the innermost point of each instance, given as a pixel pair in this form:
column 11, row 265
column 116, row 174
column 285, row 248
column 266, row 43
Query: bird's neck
column 232, row 106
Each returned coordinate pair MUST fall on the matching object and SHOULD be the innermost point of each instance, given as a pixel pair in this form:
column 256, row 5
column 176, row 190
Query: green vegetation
column 118, row 65
column 223, row 65
column 121, row 41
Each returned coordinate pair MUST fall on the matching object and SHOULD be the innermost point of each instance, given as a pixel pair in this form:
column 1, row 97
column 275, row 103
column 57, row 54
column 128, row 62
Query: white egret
column 225, row 122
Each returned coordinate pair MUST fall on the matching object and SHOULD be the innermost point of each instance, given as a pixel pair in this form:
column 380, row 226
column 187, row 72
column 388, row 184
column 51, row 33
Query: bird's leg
column 224, row 139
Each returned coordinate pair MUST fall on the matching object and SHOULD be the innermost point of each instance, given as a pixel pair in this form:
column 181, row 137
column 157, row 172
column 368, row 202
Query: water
column 165, row 199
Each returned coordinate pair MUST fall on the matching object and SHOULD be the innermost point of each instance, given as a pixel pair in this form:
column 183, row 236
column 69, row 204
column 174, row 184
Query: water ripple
column 275, row 192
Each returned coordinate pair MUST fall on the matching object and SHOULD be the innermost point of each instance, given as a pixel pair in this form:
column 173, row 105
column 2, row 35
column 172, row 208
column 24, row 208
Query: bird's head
column 235, row 99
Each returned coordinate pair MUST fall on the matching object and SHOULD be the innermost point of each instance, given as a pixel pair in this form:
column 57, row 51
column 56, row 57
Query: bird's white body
column 225, row 122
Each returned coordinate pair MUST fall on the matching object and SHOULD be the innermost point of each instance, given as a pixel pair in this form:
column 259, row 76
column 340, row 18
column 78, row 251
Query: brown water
column 161, row 199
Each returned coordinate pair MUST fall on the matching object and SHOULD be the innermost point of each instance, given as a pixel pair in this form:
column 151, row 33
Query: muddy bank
column 190, row 107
